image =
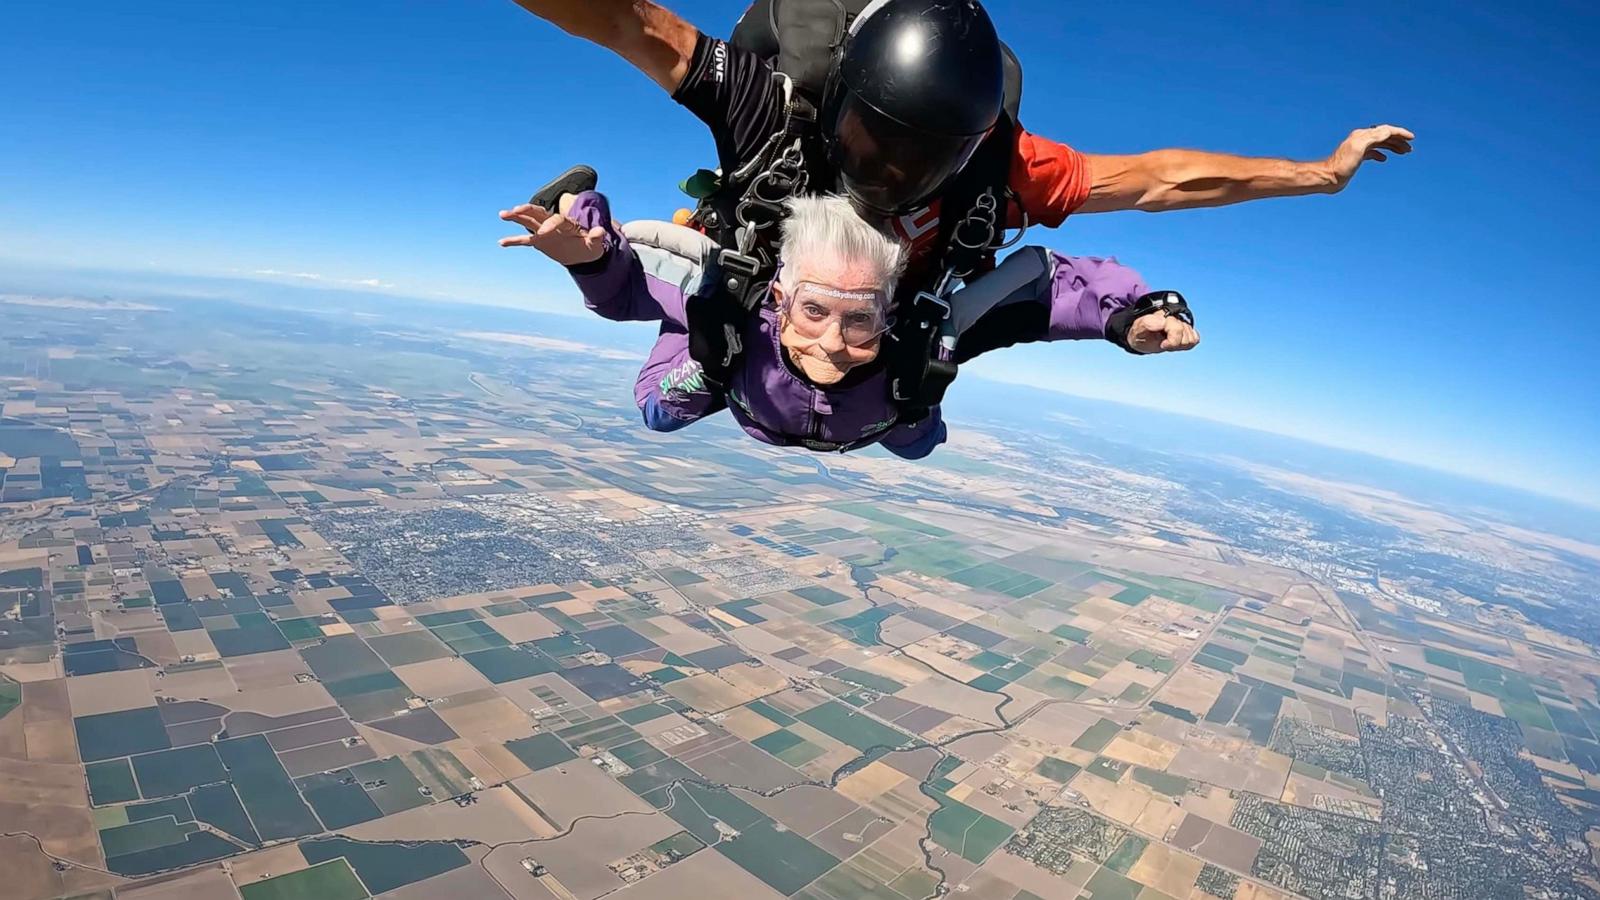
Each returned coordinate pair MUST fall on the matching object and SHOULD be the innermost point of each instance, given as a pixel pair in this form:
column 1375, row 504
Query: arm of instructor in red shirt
column 661, row 44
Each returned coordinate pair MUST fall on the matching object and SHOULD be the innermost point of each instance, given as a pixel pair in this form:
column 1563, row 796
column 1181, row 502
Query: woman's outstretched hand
column 554, row 235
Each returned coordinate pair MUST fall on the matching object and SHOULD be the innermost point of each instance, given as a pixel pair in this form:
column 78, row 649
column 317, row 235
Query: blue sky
column 1419, row 315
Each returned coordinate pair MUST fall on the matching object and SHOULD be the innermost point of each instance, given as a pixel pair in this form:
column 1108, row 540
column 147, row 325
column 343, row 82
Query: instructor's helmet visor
column 888, row 167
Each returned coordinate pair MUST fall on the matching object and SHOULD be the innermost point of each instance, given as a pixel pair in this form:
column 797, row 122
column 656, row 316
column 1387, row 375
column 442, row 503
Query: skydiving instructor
column 894, row 150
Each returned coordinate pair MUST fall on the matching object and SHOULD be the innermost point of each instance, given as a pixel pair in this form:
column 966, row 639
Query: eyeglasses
column 812, row 309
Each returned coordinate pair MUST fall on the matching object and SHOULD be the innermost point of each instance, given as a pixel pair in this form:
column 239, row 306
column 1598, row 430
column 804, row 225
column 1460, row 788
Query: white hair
column 827, row 233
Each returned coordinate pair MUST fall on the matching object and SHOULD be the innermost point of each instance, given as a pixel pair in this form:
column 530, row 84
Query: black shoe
column 575, row 180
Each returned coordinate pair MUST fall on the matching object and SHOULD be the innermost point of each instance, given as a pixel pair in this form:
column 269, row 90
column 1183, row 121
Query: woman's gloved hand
column 554, row 235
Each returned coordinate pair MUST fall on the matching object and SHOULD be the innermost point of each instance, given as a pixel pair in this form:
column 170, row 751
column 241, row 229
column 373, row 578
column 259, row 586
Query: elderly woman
column 811, row 373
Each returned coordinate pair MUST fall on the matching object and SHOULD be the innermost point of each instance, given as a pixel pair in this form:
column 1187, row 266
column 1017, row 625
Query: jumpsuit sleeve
column 916, row 441
column 615, row 286
column 669, row 391
column 1075, row 299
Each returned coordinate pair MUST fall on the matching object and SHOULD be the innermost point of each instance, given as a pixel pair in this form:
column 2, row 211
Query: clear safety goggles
column 812, row 310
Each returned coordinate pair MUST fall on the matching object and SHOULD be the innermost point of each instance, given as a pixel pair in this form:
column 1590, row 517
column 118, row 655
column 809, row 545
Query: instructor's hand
column 1160, row 333
column 1362, row 145
column 554, row 235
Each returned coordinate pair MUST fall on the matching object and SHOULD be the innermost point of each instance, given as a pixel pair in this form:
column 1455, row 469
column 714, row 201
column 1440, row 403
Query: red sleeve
column 1052, row 180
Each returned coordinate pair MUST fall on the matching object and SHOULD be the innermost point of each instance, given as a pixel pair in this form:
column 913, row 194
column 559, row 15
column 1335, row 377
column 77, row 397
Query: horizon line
column 1585, row 504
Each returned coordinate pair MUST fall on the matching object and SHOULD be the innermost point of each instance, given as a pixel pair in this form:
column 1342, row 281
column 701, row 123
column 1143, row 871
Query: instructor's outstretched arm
column 657, row 41
column 1185, row 179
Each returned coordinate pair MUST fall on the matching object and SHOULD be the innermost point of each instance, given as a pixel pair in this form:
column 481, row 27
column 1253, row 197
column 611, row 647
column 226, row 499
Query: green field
column 332, row 880
column 503, row 664
column 270, row 797
column 400, row 793
column 541, row 751
column 176, row 771
column 697, row 807
column 307, row 629
column 645, row 713
column 638, row 754
column 965, row 831
column 1057, row 769
column 873, row 513
column 218, row 805
column 111, row 782
column 1097, row 737
column 844, row 725
column 1105, row 885
column 782, row 860
column 1171, row 785
column 868, row 680
column 1071, row 633
column 385, row 867
column 144, row 835
column 1127, row 853
column 338, row 805
column 114, row 734
column 10, row 695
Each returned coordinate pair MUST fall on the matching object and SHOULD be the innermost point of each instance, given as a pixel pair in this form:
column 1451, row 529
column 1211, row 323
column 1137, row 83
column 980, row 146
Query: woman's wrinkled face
column 832, row 322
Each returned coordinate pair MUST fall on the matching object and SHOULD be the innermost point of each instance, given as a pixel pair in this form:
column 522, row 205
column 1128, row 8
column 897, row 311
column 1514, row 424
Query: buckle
column 739, row 263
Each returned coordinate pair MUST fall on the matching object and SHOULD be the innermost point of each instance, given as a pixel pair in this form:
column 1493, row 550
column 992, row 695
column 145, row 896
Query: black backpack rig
column 802, row 39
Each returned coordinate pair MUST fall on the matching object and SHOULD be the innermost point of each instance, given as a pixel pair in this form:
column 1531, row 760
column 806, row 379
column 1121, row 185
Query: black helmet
column 915, row 88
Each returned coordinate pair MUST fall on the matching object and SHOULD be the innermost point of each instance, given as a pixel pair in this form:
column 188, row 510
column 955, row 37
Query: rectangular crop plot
column 218, row 805
column 390, row 784
column 1058, row 770
column 408, row 647
column 846, row 726
column 385, row 867
column 1227, row 703
column 264, row 787
column 541, row 751
column 342, row 657
column 307, row 629
column 124, row 733
column 971, row 834
column 177, row 771
column 470, row 637
column 782, row 860
column 1098, row 736
column 337, row 803
column 111, row 782
column 820, row 596
column 503, row 664
column 332, row 880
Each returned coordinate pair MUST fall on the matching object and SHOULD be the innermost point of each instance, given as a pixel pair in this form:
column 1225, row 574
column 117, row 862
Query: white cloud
column 313, row 276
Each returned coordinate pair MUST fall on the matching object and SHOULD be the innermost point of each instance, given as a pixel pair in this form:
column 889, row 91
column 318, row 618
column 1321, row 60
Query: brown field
column 498, row 816
column 580, row 860
column 197, row 683
column 709, row 694
column 252, row 867
column 441, row 677
column 576, row 788
column 199, row 884
column 1142, row 750
column 492, row 719
column 1167, row 870
column 47, row 722
column 745, row 724
column 108, row 692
